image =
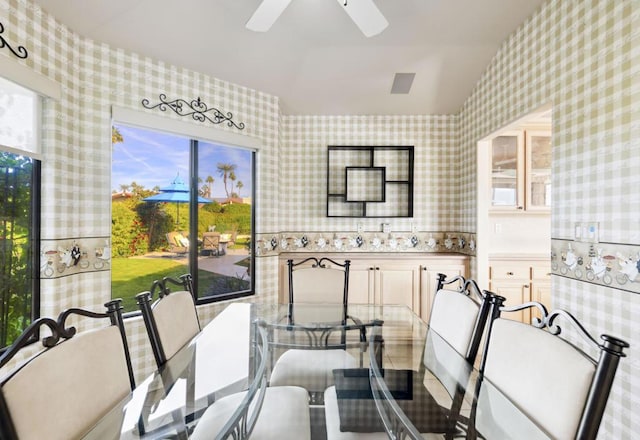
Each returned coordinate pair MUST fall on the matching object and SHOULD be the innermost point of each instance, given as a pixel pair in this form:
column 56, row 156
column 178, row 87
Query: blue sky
column 152, row 158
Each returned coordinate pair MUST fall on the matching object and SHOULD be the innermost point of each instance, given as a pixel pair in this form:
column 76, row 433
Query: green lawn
column 130, row 276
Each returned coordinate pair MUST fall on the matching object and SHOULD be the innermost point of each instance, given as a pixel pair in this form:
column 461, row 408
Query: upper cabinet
column 521, row 171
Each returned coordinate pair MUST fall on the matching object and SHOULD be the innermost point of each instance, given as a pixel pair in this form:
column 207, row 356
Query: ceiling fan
column 364, row 13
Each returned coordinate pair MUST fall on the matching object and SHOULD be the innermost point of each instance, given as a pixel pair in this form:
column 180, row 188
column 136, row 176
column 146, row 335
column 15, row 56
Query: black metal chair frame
column 146, row 304
column 320, row 263
column 485, row 298
column 319, row 338
column 610, row 353
column 59, row 332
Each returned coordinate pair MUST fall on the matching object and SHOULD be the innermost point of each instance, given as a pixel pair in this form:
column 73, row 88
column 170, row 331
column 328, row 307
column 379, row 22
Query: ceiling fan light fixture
column 266, row 14
column 366, row 15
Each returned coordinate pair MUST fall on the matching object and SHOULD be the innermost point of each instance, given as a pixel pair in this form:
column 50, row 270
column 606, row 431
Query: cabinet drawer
column 541, row 272
column 509, row 272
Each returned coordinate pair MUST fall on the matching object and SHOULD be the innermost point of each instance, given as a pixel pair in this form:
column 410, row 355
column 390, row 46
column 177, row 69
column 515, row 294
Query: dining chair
column 317, row 281
column 459, row 314
column 261, row 412
column 563, row 388
column 171, row 320
column 62, row 390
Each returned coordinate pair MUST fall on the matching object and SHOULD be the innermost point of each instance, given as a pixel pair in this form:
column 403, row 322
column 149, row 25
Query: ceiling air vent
column 402, row 83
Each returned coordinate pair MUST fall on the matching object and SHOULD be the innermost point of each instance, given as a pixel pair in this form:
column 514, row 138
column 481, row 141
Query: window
column 19, row 209
column 180, row 205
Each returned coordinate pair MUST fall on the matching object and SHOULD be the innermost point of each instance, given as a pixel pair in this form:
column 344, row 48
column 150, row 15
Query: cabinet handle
column 520, row 207
column 424, row 268
column 377, row 268
column 526, row 286
column 371, row 268
column 510, row 274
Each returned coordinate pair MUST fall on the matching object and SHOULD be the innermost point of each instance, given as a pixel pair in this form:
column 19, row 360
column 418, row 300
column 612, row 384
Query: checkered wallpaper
column 76, row 202
column 583, row 56
column 303, row 165
column 580, row 55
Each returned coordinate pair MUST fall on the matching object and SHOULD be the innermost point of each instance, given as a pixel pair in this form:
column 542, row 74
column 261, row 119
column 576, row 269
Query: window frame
column 146, row 121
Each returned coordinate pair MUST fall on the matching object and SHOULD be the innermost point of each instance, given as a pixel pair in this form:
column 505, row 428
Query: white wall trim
column 212, row 134
column 28, row 78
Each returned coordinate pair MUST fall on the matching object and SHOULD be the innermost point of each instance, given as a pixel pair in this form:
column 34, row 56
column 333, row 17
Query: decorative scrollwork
column 548, row 320
column 198, row 110
column 20, row 53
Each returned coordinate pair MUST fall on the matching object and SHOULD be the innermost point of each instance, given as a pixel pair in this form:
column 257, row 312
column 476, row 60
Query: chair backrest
column 210, row 240
column 177, row 240
column 63, row 390
column 172, row 320
column 459, row 315
column 555, row 383
column 323, row 280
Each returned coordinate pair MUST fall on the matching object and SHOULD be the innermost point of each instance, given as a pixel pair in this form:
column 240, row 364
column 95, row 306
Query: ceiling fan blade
column 266, row 14
column 366, row 15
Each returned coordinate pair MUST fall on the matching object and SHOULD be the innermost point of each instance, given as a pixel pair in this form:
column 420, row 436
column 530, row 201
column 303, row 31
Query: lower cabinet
column 390, row 279
column 521, row 281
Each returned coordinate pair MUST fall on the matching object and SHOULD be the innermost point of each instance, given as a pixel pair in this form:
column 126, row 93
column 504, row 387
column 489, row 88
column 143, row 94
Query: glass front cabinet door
column 521, row 171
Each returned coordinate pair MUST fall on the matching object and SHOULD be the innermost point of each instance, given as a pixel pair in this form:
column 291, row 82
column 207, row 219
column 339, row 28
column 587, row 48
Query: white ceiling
column 314, row 57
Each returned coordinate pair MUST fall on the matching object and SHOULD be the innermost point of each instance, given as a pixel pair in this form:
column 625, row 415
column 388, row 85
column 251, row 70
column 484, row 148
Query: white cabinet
column 385, row 282
column 521, row 281
column 390, row 279
column 521, row 171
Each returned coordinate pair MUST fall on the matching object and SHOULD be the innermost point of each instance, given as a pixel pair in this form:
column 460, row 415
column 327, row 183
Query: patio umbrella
column 177, row 192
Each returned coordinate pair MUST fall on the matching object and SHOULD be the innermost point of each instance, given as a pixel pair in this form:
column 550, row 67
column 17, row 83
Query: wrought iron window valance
column 196, row 108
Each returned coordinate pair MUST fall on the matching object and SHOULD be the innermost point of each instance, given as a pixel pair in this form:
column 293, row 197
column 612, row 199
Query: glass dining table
column 410, row 381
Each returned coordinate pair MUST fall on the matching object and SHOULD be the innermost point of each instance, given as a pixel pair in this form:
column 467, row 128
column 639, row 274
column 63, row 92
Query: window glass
column 152, row 212
column 504, row 171
column 18, row 177
column 19, row 209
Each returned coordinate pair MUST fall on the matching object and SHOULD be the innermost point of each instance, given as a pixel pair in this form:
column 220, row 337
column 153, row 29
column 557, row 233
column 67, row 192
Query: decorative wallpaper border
column 608, row 264
column 64, row 257
column 370, row 242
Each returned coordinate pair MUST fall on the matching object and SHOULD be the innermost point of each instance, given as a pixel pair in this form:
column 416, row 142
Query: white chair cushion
column 446, row 364
column 64, row 391
column 284, row 415
column 332, row 418
column 317, row 285
column 547, row 377
column 177, row 321
column 310, row 369
column 453, row 316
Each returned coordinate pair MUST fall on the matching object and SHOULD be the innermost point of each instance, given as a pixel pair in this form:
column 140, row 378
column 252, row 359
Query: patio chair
column 230, row 237
column 178, row 242
column 211, row 244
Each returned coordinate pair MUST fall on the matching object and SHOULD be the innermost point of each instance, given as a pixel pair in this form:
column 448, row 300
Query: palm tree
column 224, row 169
column 232, row 177
column 210, row 181
column 116, row 136
column 239, row 185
